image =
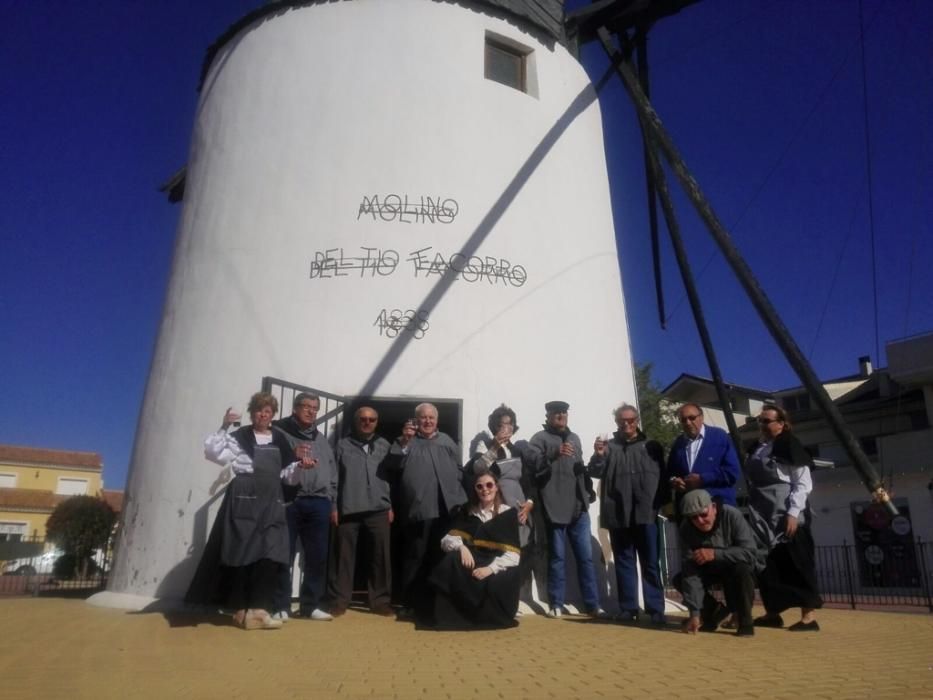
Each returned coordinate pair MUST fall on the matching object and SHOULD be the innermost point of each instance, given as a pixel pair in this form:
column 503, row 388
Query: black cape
column 463, row 602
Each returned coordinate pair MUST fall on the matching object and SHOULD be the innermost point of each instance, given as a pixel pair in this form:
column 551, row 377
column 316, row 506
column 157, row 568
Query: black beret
column 556, row 406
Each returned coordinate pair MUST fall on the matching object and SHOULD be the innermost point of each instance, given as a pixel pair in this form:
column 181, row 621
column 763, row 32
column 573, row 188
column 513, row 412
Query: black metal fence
column 848, row 575
column 853, row 576
column 32, row 566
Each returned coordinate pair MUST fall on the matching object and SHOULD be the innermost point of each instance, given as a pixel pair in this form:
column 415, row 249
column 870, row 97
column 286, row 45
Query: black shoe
column 812, row 626
column 627, row 617
column 745, row 631
column 769, row 621
column 405, row 614
column 712, row 619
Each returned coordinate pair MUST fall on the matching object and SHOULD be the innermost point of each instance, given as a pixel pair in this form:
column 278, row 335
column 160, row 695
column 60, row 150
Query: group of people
column 467, row 533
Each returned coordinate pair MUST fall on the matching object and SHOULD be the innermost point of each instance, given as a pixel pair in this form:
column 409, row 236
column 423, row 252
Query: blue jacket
column 716, row 463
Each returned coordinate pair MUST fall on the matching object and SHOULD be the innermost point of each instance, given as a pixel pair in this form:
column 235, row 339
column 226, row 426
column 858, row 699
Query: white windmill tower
column 402, row 201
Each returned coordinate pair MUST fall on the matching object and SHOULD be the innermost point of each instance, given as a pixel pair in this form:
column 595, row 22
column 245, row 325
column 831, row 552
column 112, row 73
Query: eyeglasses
column 768, row 421
column 689, row 419
column 367, row 419
column 628, row 421
column 488, row 486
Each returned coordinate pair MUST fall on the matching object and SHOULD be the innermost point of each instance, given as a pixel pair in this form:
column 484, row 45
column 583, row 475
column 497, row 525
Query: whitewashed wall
column 304, row 118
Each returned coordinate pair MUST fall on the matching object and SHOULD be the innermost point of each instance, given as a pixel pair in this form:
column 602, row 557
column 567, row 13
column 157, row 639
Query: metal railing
column 32, row 566
column 329, row 415
column 853, row 576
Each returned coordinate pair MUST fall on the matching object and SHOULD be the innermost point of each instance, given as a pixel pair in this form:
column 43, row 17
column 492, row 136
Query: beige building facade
column 33, row 481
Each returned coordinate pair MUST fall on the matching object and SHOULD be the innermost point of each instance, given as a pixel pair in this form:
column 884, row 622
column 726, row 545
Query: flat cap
column 556, row 406
column 695, row 502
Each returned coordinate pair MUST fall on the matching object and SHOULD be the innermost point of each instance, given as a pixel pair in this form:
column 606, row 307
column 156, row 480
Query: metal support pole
column 680, row 252
column 756, row 294
column 925, row 576
column 641, row 47
column 850, row 583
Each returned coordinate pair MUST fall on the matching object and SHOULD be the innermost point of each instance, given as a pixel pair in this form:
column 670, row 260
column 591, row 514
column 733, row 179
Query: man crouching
column 719, row 547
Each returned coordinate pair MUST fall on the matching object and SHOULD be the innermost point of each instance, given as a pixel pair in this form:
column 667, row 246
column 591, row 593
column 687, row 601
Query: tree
column 658, row 419
column 79, row 525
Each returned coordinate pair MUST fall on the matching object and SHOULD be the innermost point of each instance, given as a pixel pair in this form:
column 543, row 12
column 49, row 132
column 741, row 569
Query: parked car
column 43, row 564
column 31, row 566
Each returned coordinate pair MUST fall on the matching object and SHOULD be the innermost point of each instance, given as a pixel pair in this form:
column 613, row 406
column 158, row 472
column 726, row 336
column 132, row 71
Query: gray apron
column 254, row 525
column 767, row 497
column 510, row 474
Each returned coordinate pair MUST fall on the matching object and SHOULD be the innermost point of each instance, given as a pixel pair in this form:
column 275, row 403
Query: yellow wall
column 35, row 521
column 46, row 478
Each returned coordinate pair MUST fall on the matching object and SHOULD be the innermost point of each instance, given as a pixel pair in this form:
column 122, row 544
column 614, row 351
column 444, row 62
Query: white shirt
column 451, row 543
column 223, row 449
column 693, row 447
column 801, row 484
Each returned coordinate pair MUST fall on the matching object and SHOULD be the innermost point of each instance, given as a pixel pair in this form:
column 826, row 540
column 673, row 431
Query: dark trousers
column 309, row 521
column 421, row 541
column 626, row 543
column 376, row 530
column 738, row 583
column 253, row 585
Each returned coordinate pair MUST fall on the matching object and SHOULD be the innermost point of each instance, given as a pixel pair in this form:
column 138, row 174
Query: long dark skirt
column 247, row 546
column 462, row 602
column 789, row 577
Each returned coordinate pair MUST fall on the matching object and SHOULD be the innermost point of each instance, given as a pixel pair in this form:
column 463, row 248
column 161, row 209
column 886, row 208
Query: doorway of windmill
column 393, row 412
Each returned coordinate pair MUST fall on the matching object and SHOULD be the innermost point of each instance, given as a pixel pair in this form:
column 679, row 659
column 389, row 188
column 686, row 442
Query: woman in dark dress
column 248, row 542
column 778, row 473
column 477, row 583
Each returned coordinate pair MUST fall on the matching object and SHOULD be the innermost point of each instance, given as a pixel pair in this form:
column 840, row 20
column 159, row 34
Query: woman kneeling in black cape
column 477, row 583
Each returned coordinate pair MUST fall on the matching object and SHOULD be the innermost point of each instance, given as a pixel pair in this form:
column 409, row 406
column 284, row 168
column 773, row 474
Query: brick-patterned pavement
column 53, row 648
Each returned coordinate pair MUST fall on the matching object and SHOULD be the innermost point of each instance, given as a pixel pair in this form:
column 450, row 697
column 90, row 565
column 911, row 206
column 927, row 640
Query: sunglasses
column 487, row 486
column 366, row 419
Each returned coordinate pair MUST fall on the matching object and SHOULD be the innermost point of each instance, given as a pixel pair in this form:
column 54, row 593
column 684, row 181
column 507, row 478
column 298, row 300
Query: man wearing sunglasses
column 719, row 547
column 363, row 504
column 702, row 457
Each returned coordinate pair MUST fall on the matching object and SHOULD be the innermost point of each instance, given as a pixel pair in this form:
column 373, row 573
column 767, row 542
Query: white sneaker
column 320, row 615
column 554, row 613
column 281, row 615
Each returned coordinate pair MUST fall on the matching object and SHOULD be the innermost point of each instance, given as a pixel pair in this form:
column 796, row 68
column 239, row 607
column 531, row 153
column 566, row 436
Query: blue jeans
column 308, row 520
column 578, row 532
column 626, row 542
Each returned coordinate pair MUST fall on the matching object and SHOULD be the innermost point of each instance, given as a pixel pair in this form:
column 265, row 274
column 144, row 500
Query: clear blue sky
column 763, row 98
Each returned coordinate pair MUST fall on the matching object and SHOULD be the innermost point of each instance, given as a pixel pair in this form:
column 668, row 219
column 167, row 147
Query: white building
column 395, row 201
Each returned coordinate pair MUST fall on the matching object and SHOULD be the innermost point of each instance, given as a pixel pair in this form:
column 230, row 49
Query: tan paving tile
column 63, row 648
